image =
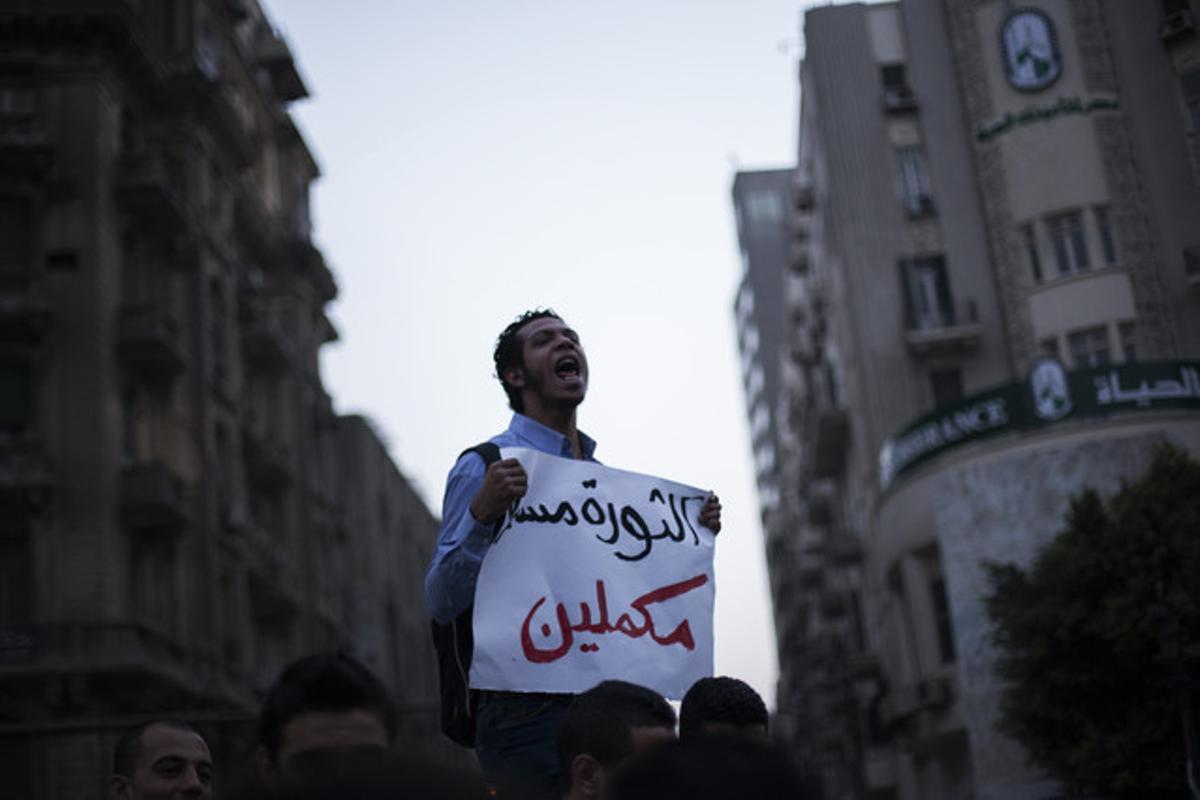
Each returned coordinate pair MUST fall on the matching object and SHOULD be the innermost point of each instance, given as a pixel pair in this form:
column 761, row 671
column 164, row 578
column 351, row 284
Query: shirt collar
column 548, row 440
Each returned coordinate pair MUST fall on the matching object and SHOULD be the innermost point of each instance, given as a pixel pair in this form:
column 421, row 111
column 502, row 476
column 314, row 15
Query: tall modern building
column 181, row 510
column 997, row 305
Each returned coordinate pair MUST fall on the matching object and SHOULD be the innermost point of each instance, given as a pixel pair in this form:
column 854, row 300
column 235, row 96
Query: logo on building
column 1051, row 395
column 1030, row 49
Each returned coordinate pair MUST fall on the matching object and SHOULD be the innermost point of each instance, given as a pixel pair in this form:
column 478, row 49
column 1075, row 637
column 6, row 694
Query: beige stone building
column 994, row 302
column 182, row 510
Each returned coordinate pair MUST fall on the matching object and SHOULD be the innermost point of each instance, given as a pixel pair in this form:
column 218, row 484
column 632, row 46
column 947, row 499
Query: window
column 1107, row 247
column 926, row 293
column 764, row 206
column 153, row 580
column 912, row 178
column 947, row 386
column 16, row 585
column 1089, row 347
column 941, row 613
column 1190, row 82
column 1126, row 332
column 14, row 397
column 1070, row 245
column 893, row 76
column 16, row 241
column 1031, row 251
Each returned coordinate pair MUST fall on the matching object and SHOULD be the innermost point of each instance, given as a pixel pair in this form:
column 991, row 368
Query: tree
column 1099, row 641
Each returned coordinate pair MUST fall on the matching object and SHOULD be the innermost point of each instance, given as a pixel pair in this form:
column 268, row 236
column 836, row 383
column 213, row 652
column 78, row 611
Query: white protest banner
column 597, row 573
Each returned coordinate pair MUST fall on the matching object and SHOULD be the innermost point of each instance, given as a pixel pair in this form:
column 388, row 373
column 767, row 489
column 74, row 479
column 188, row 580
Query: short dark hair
column 723, row 700
column 600, row 722
column 129, row 743
column 508, row 352
column 331, row 681
column 716, row 767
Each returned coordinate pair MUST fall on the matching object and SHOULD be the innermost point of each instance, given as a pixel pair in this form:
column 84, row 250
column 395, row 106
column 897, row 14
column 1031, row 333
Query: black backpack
column 455, row 643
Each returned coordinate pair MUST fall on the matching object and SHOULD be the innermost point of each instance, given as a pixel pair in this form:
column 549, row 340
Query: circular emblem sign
column 1030, row 48
column 1051, row 395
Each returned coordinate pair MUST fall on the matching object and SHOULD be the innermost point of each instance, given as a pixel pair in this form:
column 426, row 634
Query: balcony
column 310, row 262
column 828, row 437
column 147, row 190
column 24, row 316
column 944, row 331
column 929, row 694
column 833, row 604
column 149, row 343
column 822, row 502
column 268, row 464
column 274, row 54
column 843, row 549
column 1191, row 265
column 24, row 468
column 899, row 99
column 153, row 498
column 25, row 150
column 264, row 343
column 1176, row 25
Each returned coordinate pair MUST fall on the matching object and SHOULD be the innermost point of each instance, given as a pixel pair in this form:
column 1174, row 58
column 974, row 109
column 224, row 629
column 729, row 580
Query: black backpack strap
column 488, row 451
column 455, row 645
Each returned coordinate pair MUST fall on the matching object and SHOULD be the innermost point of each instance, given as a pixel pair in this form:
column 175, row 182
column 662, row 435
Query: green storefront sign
column 1050, row 395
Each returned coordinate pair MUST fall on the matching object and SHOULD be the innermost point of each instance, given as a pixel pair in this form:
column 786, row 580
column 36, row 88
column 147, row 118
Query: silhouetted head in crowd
column 718, row 766
column 325, row 713
column 396, row 777
column 604, row 726
column 163, row 759
column 721, row 704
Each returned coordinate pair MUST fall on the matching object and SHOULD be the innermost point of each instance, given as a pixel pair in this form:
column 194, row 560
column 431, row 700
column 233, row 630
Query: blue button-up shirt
column 462, row 540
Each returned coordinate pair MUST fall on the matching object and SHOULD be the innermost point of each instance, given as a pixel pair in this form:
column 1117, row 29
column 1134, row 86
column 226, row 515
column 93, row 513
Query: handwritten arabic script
column 627, row 520
column 597, row 573
column 625, row 624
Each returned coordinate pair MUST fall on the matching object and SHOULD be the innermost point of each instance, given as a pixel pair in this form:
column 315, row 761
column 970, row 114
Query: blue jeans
column 514, row 740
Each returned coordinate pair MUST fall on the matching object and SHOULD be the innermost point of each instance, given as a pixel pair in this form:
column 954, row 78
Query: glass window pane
column 1031, row 251
column 1106, row 238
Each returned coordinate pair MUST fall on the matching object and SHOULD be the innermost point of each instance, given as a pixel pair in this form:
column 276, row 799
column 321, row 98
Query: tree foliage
column 1095, row 635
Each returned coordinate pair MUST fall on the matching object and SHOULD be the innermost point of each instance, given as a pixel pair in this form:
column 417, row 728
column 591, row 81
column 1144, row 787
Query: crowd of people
column 327, row 730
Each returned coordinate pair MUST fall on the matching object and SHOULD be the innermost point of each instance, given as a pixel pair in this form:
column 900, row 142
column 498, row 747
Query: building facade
column 183, row 511
column 998, row 304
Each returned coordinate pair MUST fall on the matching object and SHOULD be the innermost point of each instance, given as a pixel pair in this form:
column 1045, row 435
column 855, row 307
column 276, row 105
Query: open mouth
column 567, row 368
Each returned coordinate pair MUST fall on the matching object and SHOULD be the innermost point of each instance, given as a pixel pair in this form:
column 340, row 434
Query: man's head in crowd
column 721, row 704
column 162, row 759
column 604, row 726
column 324, row 712
column 719, row 766
column 539, row 360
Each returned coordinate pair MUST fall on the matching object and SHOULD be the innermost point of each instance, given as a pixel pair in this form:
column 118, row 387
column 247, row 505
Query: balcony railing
column 945, row 329
column 25, row 150
column 150, row 343
column 265, row 344
column 24, row 315
column 829, row 435
column 147, row 188
column 1191, row 264
column 268, row 464
column 899, row 99
column 153, row 498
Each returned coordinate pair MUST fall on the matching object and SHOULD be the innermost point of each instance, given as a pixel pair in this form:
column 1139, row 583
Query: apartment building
column 183, row 511
column 997, row 303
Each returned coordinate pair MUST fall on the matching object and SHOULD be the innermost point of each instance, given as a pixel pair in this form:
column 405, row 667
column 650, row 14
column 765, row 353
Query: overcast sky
column 484, row 158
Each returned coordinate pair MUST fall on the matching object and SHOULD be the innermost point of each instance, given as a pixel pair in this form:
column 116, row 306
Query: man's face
column 555, row 370
column 172, row 764
column 327, row 741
